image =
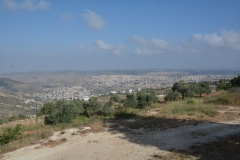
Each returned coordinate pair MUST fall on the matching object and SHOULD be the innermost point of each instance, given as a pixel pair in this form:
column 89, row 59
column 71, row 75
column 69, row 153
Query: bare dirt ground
column 114, row 143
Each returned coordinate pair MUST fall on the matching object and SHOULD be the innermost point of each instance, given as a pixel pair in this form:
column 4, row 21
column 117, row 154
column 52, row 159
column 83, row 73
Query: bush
column 193, row 109
column 93, row 107
column 217, row 100
column 234, row 90
column 190, row 101
column 21, row 116
column 61, row 111
column 130, row 102
column 209, row 111
column 1, row 121
column 107, row 109
column 12, row 118
column 142, row 100
column 235, row 82
column 122, row 112
column 115, row 98
column 172, row 96
column 10, row 134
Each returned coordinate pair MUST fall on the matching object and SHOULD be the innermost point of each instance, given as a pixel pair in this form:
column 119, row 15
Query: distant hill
column 7, row 82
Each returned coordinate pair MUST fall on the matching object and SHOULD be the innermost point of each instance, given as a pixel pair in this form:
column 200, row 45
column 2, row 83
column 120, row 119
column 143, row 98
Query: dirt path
column 120, row 145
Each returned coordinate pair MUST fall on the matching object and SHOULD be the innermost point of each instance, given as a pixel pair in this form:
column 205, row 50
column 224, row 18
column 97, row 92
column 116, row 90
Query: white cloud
column 108, row 48
column 138, row 40
column 67, row 16
column 231, row 39
column 82, row 49
column 156, row 43
column 209, row 39
column 101, row 47
column 225, row 42
column 93, row 20
column 152, row 46
column 80, row 46
column 142, row 51
column 12, row 5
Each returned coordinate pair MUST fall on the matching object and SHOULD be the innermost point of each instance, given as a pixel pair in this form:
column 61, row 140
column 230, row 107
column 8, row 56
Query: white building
column 113, row 92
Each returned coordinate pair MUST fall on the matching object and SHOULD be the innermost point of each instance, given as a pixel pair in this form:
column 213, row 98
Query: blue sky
column 46, row 35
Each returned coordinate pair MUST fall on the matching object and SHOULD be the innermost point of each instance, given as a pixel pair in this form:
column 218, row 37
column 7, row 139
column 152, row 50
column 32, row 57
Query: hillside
column 7, row 82
column 13, row 105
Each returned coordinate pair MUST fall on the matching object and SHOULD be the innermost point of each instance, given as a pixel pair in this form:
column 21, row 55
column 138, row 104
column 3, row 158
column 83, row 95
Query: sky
column 50, row 35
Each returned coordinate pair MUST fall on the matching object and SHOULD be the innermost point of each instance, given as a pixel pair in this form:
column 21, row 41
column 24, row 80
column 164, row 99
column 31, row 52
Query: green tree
column 235, row 82
column 202, row 87
column 130, row 101
column 172, row 96
column 93, row 107
column 181, row 87
column 79, row 104
column 223, row 84
column 107, row 109
column 68, row 110
column 152, row 97
column 115, row 98
column 61, row 111
column 142, row 99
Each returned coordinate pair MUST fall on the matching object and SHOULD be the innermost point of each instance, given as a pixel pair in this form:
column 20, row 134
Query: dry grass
column 230, row 98
column 184, row 110
column 96, row 126
column 178, row 113
column 172, row 156
column 31, row 134
column 52, row 143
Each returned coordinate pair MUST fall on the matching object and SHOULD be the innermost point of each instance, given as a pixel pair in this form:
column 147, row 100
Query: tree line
column 64, row 111
column 181, row 90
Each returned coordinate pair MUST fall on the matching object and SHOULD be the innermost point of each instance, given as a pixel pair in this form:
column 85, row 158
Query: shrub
column 209, row 111
column 12, row 118
column 107, row 109
column 115, row 98
column 123, row 112
column 93, row 107
column 21, row 116
column 142, row 100
column 181, row 108
column 227, row 99
column 10, row 134
column 172, row 96
column 190, row 101
column 61, row 111
column 235, row 82
column 130, row 102
column 234, row 90
column 1, row 121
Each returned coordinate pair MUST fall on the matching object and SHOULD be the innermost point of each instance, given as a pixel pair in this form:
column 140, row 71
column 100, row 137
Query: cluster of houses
column 126, row 91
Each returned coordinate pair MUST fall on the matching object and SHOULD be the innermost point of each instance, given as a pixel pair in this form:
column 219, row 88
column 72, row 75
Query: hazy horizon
column 48, row 35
